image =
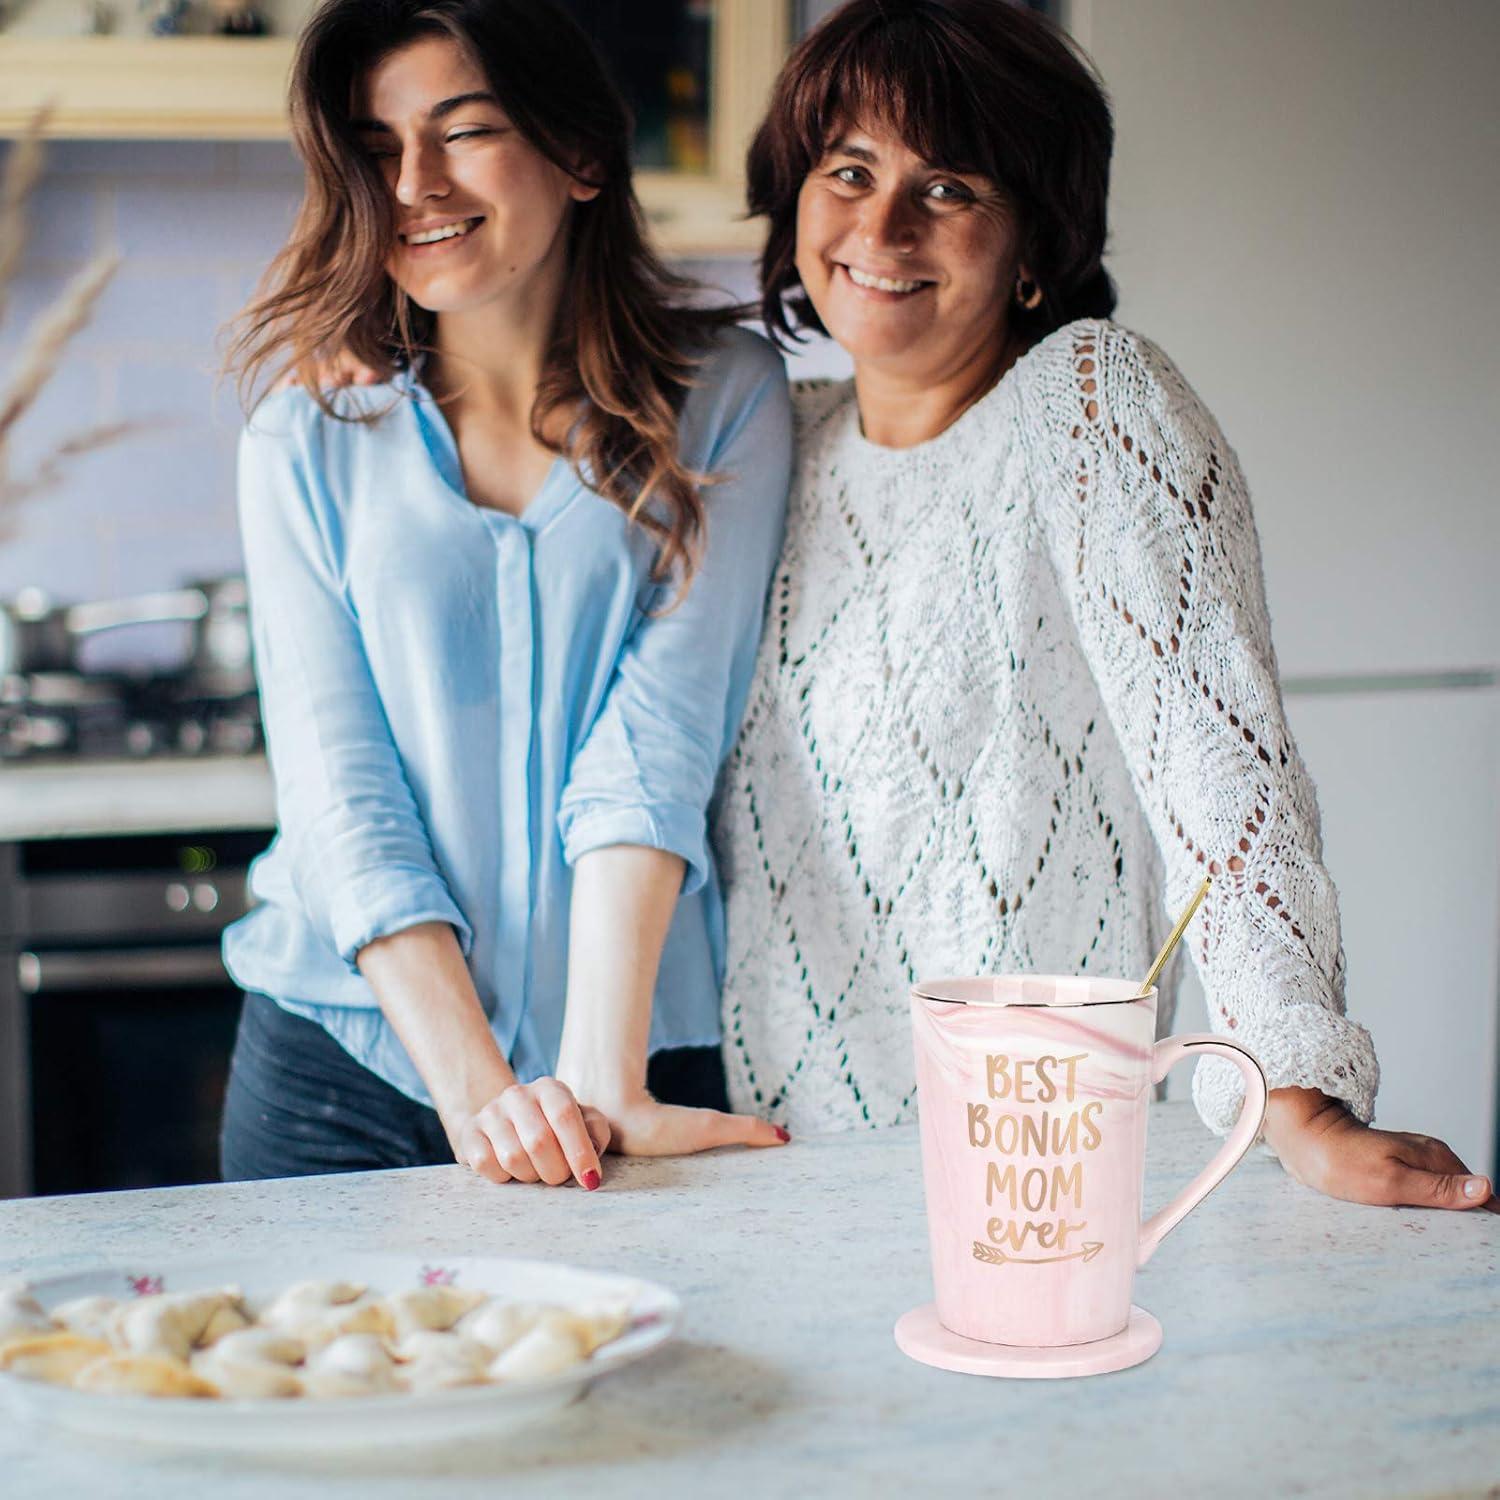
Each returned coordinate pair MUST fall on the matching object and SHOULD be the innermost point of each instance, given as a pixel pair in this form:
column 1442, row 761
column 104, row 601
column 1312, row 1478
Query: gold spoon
column 1175, row 937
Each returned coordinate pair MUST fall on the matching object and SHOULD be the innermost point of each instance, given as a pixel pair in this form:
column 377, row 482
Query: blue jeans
column 298, row 1104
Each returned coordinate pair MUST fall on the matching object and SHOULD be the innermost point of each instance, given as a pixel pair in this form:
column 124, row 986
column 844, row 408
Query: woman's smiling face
column 480, row 212
column 909, row 266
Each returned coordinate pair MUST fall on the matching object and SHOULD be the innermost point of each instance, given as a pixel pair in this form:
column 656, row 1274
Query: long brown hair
column 978, row 86
column 627, row 340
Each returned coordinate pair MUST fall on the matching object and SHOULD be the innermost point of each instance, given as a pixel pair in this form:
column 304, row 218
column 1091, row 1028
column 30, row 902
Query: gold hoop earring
column 1028, row 293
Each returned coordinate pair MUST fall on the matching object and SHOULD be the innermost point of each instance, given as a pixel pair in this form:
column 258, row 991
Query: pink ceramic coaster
column 923, row 1338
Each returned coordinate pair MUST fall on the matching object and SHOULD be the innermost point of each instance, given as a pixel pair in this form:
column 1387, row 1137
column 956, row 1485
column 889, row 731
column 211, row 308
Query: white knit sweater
column 1016, row 692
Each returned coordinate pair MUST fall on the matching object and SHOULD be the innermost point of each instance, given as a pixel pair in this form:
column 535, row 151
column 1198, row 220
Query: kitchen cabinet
column 132, row 87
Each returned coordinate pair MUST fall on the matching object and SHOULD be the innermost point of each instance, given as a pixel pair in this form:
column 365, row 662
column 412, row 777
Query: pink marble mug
column 1033, row 1093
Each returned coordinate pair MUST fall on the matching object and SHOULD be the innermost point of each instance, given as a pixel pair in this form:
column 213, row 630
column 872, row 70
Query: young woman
column 1017, row 692
column 506, row 603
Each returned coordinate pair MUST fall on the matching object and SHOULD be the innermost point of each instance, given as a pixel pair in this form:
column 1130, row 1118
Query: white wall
column 1305, row 214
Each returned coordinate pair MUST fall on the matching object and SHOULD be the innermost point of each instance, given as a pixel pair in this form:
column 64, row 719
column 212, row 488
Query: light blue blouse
column 459, row 703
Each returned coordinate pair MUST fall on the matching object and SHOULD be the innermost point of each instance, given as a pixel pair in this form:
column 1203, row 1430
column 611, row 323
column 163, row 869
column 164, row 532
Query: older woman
column 1017, row 691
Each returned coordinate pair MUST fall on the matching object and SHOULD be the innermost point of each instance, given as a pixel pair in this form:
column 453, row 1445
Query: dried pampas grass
column 50, row 334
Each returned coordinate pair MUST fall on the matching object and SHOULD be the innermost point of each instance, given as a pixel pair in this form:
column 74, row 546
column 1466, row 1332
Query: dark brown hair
column 975, row 86
column 627, row 342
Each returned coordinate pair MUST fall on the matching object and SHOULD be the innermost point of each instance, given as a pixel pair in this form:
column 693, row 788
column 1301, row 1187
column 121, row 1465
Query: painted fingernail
column 1475, row 1187
column 590, row 1180
column 782, row 1134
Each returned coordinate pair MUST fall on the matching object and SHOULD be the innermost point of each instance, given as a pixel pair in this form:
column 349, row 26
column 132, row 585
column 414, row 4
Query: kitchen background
column 1304, row 215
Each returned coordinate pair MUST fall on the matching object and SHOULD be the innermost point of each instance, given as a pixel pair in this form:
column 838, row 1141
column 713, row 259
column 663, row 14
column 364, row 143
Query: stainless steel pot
column 33, row 635
column 221, row 661
column 38, row 636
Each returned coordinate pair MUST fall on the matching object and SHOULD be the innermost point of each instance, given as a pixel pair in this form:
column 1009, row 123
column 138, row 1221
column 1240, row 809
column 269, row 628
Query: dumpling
column 319, row 1329
column 230, row 1318
column 141, row 1375
column 254, row 1362
column 356, row 1364
column 89, row 1316
column 601, row 1324
column 168, row 1324
column 306, row 1299
column 249, row 1381
column 555, row 1344
column 353, row 1354
column 497, row 1325
column 53, row 1357
column 428, row 1343
column 21, row 1313
column 433, row 1361
column 433, row 1307
column 272, row 1345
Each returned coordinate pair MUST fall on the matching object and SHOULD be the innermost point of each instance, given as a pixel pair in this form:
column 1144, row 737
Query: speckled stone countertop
column 1312, row 1347
column 160, row 794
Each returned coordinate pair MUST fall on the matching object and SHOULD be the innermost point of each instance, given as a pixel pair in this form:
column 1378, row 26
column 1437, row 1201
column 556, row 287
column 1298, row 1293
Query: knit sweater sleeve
column 1147, row 520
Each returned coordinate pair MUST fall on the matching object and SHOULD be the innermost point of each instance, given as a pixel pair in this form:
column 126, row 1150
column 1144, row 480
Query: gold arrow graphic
column 994, row 1257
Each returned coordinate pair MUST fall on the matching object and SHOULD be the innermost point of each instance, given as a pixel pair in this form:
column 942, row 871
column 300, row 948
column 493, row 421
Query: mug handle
column 1168, row 1053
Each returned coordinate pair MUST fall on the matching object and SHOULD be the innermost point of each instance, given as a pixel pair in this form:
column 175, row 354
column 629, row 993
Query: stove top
column 69, row 715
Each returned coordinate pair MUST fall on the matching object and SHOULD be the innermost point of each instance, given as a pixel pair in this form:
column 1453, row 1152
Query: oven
column 116, row 1015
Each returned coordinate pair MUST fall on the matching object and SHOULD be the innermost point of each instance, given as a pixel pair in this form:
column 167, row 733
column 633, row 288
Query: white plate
column 300, row 1425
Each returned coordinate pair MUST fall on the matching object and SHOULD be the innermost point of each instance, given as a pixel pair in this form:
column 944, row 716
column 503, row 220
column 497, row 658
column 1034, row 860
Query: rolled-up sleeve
column 360, row 855
column 645, row 771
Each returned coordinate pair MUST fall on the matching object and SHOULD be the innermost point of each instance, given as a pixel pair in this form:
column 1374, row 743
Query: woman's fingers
column 536, row 1132
column 653, row 1129
column 477, row 1154
column 574, row 1145
column 539, row 1132
column 1433, row 1155
column 510, row 1151
column 1417, row 1187
column 343, row 369
column 533, row 1131
column 333, row 374
column 746, row 1130
column 598, row 1128
column 1449, row 1176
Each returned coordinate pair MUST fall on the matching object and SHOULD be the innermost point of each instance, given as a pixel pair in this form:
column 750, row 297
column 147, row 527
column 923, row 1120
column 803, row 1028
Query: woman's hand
column 534, row 1132
column 640, row 1126
column 624, row 896
column 1324, row 1147
column 334, row 374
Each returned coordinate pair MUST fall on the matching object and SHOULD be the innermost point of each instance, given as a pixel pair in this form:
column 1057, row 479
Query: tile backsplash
column 196, row 223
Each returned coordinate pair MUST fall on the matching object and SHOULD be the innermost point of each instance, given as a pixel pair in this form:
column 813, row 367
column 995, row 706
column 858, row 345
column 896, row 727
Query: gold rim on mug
column 1146, row 991
column 922, row 992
